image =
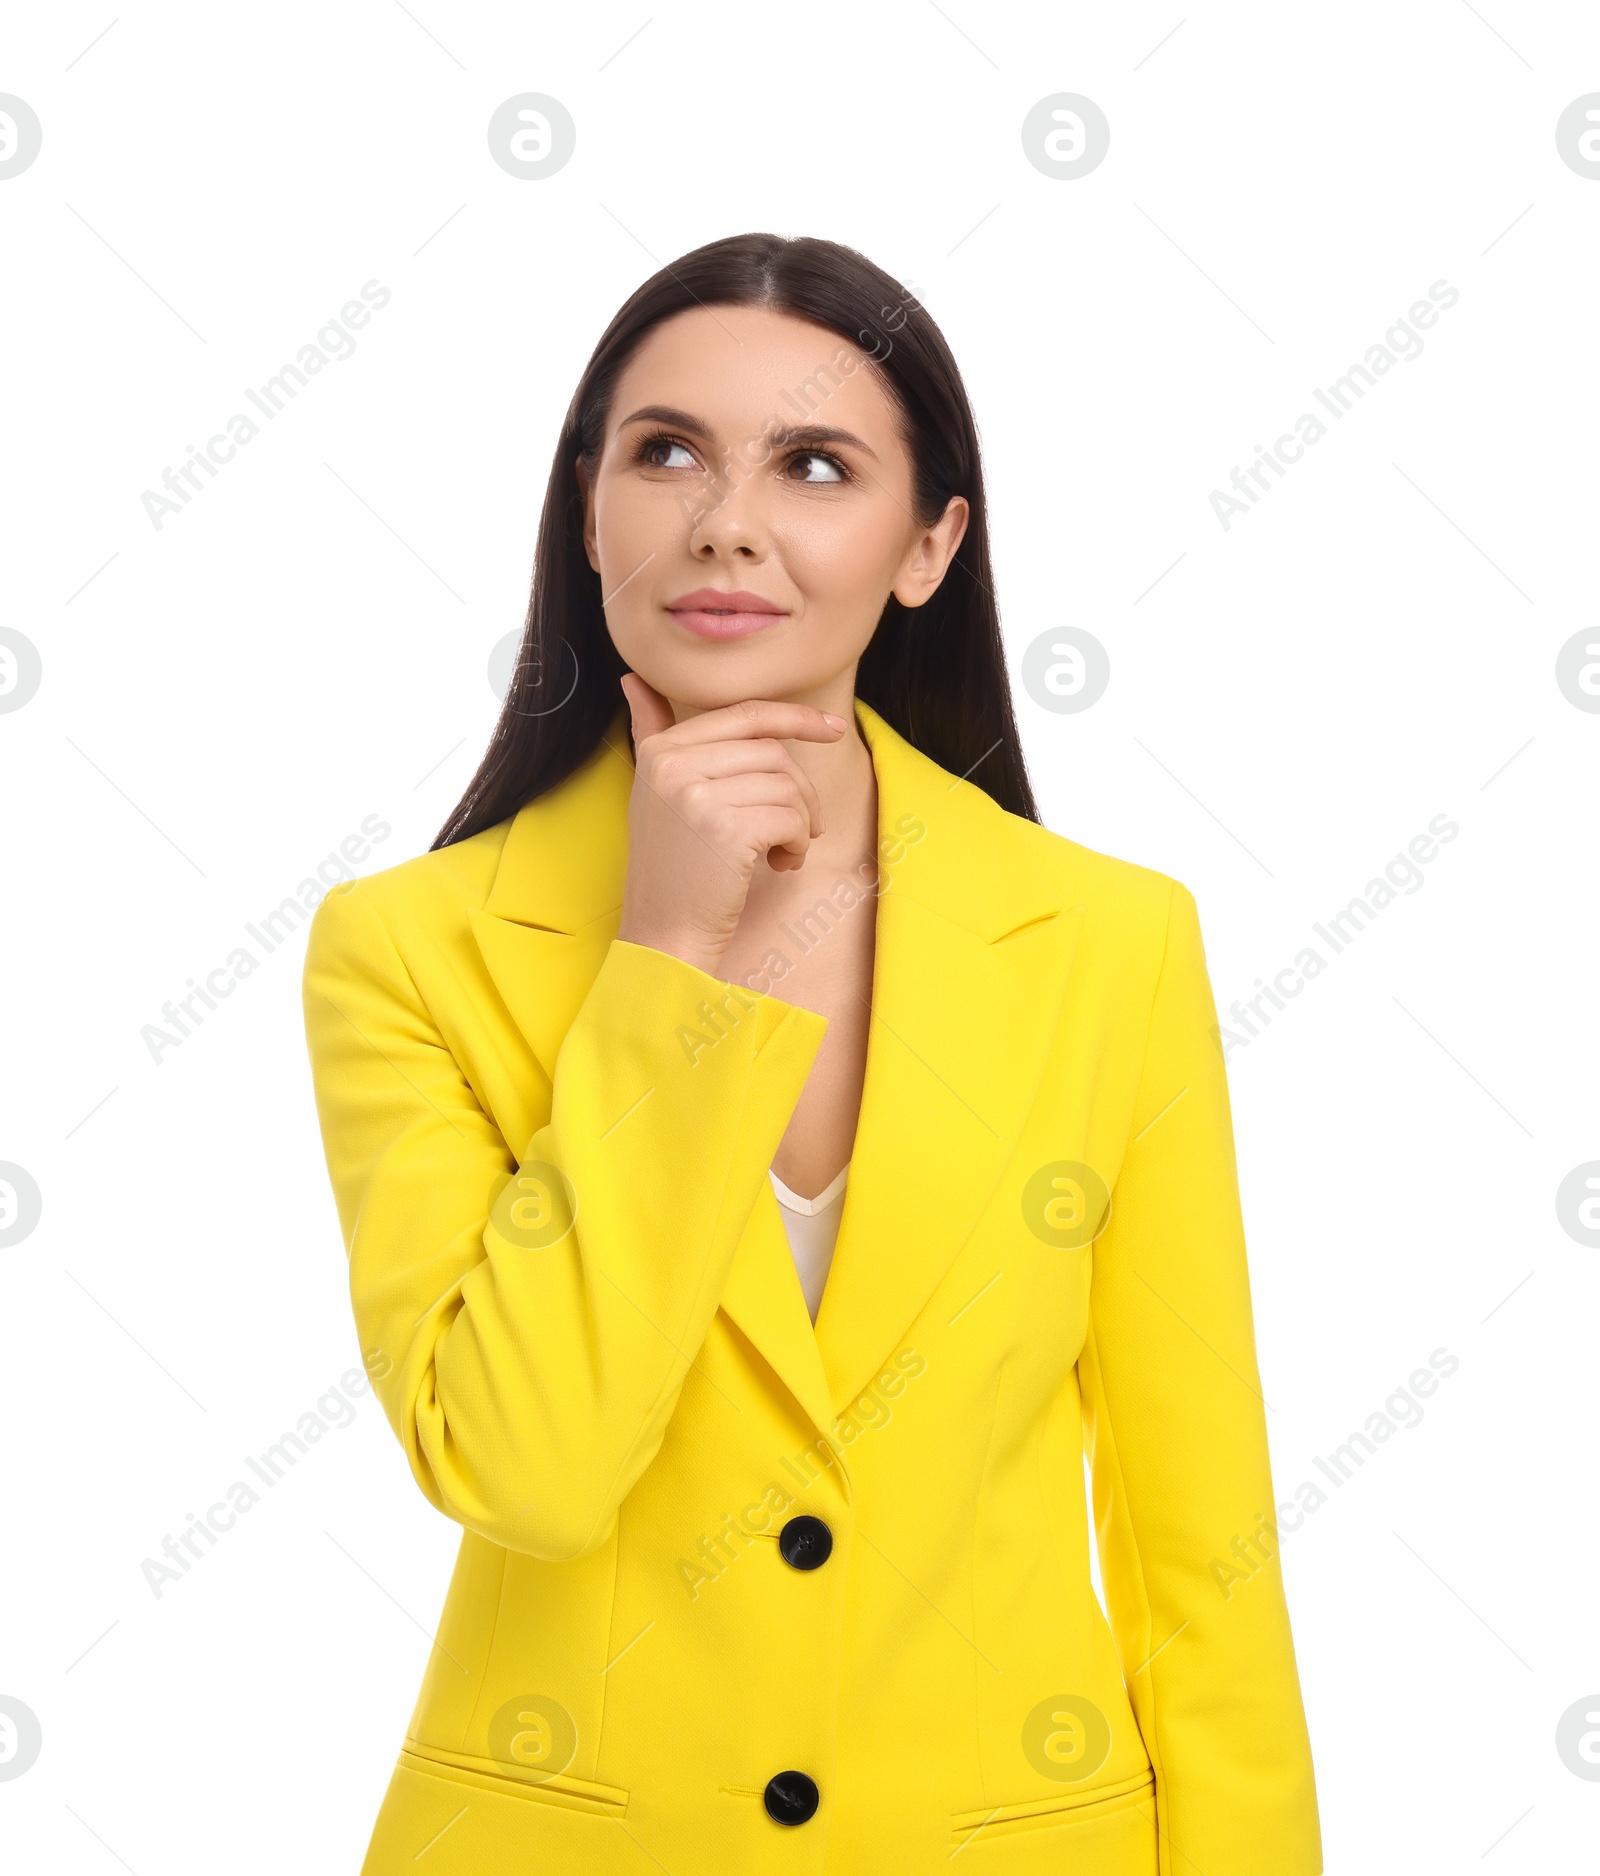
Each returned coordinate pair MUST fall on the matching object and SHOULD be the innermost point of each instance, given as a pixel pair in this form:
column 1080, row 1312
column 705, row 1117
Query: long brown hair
column 937, row 673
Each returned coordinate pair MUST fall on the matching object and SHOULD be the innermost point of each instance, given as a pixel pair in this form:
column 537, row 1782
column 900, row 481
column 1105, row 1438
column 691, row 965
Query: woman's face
column 751, row 511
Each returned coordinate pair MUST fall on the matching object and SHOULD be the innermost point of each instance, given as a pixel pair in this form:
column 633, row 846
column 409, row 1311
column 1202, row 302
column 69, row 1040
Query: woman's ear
column 591, row 545
column 928, row 560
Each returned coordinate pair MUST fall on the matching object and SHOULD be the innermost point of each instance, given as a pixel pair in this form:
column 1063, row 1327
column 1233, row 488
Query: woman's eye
column 829, row 469
column 662, row 453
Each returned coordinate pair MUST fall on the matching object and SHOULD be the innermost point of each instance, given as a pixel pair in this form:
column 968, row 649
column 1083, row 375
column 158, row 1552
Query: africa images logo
column 332, row 344
column 1401, row 343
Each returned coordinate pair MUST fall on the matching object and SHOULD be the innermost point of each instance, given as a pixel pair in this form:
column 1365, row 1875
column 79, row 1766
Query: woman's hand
column 711, row 797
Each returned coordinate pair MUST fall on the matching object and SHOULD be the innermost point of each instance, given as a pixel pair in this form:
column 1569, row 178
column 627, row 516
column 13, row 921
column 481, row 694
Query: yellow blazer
column 735, row 1594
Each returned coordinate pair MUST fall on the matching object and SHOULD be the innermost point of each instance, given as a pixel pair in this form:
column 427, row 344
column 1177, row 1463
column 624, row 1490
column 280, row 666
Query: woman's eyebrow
column 664, row 413
column 803, row 434
column 816, row 433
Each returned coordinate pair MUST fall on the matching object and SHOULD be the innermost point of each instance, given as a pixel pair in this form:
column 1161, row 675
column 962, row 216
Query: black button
column 791, row 1797
column 806, row 1543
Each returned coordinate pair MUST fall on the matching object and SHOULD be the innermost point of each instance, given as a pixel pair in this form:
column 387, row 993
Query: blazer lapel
column 543, row 933
column 974, row 946
column 554, row 908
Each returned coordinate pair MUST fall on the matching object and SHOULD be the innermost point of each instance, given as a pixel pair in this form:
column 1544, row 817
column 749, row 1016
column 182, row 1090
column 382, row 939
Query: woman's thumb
column 649, row 710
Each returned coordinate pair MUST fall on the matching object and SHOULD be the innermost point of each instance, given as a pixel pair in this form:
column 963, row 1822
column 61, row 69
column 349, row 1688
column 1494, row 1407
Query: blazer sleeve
column 529, row 1321
column 1175, row 1426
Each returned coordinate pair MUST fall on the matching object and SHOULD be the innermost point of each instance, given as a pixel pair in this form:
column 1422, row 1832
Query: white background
column 1291, row 701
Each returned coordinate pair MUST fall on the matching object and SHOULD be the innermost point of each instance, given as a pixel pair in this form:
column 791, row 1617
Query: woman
column 768, row 1160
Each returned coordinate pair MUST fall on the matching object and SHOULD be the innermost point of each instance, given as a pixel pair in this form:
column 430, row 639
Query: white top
column 812, row 1227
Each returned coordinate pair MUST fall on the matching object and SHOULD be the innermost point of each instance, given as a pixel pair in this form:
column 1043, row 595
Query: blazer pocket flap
column 1095, row 1802
column 580, row 1794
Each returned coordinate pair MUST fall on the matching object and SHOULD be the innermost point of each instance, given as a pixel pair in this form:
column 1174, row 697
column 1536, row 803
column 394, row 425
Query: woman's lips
column 712, row 614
